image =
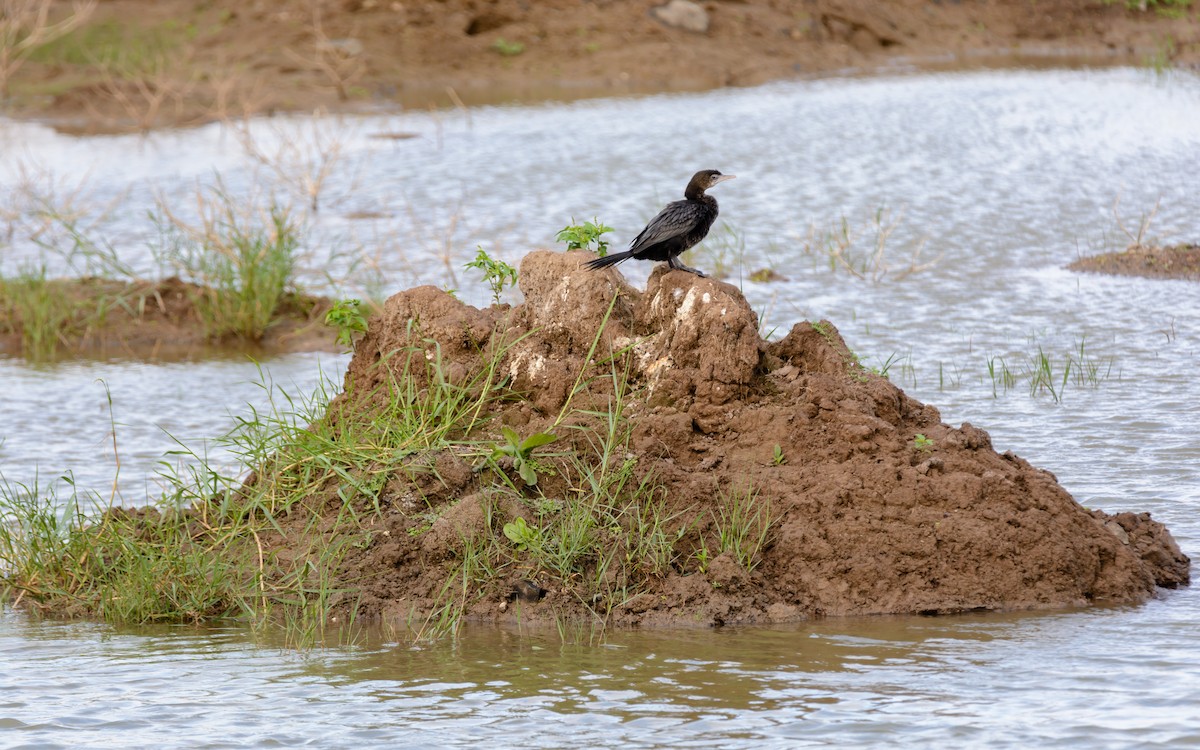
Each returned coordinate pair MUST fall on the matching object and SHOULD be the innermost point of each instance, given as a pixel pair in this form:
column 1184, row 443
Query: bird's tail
column 609, row 260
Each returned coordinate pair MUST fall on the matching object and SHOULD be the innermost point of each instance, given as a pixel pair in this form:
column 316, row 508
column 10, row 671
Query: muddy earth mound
column 865, row 516
column 157, row 320
column 1150, row 261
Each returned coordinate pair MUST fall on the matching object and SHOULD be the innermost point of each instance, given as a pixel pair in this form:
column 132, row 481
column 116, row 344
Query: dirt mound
column 1172, row 262
column 157, row 320
column 875, row 505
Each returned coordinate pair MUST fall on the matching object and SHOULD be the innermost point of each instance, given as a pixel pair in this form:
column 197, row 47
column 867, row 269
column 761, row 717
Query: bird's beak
column 723, row 177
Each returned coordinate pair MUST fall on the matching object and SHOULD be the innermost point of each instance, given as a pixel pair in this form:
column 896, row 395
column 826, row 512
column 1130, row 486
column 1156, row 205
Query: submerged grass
column 1049, row 373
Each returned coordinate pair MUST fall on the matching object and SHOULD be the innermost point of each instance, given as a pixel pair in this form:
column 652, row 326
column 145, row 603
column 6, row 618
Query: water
column 1064, row 679
column 1006, row 177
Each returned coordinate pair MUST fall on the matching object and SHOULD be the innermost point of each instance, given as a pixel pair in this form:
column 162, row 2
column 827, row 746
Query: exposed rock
column 682, row 14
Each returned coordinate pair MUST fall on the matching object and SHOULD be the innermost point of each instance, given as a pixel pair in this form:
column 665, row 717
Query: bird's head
column 705, row 179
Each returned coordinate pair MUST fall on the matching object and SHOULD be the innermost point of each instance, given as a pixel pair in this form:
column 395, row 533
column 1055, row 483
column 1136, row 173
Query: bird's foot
column 675, row 264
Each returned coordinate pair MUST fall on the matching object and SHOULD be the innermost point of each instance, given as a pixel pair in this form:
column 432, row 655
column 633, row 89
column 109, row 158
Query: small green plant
column 546, row 506
column 496, row 273
column 582, row 236
column 702, row 556
column 885, row 366
column 348, row 319
column 743, row 520
column 922, row 443
column 522, row 534
column 521, row 452
column 778, row 459
column 507, row 48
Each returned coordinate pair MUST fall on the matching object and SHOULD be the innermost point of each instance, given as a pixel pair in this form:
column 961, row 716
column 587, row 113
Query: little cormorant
column 677, row 228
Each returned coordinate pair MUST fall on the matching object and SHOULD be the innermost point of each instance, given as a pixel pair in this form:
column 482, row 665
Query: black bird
column 677, row 228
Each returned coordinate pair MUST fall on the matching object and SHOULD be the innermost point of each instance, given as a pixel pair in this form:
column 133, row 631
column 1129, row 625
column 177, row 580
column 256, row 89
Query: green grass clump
column 50, row 314
column 244, row 267
column 31, row 306
column 122, row 566
column 743, row 520
column 611, row 534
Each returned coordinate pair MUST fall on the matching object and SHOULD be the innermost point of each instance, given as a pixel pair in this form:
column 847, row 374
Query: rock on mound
column 865, row 519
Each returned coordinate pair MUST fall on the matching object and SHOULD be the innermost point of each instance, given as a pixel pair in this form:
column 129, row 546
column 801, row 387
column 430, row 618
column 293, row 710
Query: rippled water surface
column 1064, row 679
column 1004, row 178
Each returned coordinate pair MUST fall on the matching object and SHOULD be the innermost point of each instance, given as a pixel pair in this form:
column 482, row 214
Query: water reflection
column 1003, row 680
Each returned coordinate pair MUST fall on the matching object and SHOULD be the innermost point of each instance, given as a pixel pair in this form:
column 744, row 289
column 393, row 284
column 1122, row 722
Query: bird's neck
column 699, row 196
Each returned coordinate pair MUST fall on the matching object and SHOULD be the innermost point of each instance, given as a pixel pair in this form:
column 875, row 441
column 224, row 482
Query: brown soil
column 157, row 320
column 867, row 520
column 198, row 60
column 1177, row 262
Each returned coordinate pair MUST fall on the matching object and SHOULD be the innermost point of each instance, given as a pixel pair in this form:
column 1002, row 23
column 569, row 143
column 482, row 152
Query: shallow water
column 1063, row 679
column 1005, row 176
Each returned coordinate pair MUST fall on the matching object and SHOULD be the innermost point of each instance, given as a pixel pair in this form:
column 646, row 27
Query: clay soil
column 865, row 517
column 158, row 320
column 1174, row 262
column 148, row 63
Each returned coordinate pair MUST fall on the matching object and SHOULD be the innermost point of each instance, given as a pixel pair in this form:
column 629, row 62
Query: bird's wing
column 674, row 220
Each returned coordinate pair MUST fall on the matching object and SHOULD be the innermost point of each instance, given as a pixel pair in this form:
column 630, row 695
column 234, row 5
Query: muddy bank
column 872, row 504
column 153, row 320
column 1173, row 262
column 141, row 64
